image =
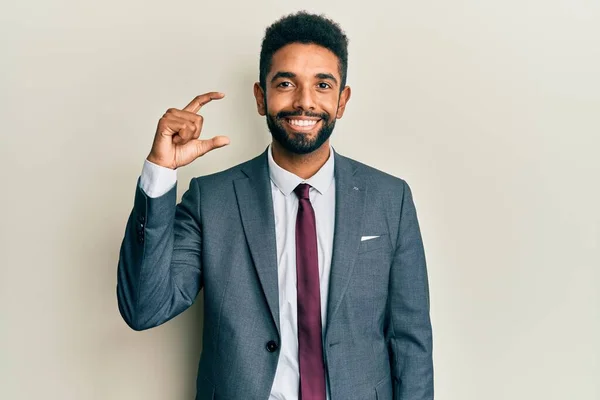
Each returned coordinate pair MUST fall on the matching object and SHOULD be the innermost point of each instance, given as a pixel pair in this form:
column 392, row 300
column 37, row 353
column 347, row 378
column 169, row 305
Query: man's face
column 303, row 97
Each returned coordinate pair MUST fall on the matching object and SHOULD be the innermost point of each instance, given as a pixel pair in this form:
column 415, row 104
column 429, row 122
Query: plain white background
column 489, row 109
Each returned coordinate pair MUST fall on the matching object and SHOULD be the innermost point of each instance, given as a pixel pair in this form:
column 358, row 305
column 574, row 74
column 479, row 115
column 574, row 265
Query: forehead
column 305, row 59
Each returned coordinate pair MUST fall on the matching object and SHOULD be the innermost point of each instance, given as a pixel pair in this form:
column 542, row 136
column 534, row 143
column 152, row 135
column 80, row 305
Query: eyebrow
column 286, row 74
column 326, row 76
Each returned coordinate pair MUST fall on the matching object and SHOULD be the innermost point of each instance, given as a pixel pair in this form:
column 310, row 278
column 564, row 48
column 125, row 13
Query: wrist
column 161, row 162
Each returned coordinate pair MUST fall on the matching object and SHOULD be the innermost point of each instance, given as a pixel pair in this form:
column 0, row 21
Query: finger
column 197, row 131
column 197, row 120
column 199, row 101
column 187, row 115
column 183, row 128
column 204, row 146
column 172, row 126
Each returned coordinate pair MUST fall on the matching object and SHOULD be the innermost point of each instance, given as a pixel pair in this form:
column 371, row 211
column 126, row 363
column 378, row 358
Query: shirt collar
column 286, row 181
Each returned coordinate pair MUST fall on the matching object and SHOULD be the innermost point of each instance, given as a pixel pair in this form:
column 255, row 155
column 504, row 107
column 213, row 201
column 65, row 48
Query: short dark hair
column 303, row 27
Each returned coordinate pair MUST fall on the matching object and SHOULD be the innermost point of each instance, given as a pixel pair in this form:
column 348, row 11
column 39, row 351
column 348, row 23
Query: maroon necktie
column 310, row 345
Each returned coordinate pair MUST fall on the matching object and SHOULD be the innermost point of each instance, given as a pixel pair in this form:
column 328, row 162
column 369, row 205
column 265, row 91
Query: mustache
column 286, row 114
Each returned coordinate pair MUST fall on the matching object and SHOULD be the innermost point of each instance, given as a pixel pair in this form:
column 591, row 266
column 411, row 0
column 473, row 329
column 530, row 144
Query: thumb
column 204, row 146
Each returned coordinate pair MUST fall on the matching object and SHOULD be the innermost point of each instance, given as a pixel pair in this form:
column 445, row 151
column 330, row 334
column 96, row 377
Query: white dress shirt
column 156, row 181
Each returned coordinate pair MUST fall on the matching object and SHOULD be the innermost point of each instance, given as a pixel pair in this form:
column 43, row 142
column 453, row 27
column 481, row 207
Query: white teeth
column 301, row 122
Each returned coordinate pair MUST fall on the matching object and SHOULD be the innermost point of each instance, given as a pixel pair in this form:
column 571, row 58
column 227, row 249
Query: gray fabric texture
column 221, row 238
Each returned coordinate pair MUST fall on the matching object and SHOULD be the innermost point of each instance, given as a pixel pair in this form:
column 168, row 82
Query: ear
column 259, row 95
column 344, row 97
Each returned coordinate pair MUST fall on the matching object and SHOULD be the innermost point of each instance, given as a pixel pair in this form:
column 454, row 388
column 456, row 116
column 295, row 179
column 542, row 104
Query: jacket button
column 272, row 346
column 140, row 239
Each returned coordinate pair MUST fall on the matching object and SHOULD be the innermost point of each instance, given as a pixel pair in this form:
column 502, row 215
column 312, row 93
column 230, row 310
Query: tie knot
column 302, row 191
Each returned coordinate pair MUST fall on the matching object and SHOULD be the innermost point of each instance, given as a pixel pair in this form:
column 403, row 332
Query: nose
column 303, row 99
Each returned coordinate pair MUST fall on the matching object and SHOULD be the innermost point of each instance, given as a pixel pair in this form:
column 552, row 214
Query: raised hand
column 176, row 141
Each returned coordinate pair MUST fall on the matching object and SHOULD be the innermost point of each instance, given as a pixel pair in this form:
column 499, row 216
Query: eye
column 285, row 84
column 324, row 85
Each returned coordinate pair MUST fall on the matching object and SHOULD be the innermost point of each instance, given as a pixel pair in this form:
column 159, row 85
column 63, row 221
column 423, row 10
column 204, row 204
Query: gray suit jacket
column 221, row 237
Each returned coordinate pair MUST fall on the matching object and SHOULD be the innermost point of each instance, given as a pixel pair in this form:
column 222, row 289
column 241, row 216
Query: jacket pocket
column 373, row 244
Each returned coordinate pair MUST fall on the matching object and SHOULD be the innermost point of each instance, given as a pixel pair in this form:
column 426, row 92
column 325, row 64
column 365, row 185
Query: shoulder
column 376, row 178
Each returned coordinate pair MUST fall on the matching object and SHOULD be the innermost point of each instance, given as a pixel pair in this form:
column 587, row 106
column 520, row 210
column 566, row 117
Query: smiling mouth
column 302, row 125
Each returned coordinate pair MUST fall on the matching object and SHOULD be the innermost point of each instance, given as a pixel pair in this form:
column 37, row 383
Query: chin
column 297, row 141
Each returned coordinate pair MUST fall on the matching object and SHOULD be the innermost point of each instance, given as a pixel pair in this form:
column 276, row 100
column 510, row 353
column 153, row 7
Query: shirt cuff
column 156, row 180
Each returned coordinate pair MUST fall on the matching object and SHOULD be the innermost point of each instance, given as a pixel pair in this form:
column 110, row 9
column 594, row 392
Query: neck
column 302, row 165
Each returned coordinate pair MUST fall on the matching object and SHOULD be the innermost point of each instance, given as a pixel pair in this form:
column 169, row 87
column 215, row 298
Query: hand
column 176, row 141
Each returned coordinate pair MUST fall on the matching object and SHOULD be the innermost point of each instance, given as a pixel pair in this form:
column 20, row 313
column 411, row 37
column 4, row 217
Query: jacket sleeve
column 410, row 333
column 159, row 273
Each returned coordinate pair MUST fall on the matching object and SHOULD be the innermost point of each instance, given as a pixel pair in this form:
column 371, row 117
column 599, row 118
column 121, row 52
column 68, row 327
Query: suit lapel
column 255, row 202
column 256, row 208
column 350, row 193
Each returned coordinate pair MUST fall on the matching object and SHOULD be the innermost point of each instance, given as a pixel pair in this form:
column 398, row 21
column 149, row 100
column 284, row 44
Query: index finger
column 196, row 104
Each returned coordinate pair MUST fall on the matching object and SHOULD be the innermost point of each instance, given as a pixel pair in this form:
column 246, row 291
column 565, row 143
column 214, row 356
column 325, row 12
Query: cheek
column 278, row 100
column 329, row 101
column 331, row 106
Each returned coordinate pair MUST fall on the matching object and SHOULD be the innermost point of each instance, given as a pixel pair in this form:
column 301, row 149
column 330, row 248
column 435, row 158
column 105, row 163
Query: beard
column 298, row 143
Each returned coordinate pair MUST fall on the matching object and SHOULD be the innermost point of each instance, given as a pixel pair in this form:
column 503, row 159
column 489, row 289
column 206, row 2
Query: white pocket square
column 363, row 238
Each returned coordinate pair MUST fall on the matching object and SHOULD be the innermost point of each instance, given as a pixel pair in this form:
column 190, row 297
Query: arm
column 410, row 325
column 159, row 271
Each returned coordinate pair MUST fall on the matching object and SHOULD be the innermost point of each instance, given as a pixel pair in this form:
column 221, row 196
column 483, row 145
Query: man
column 312, row 264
